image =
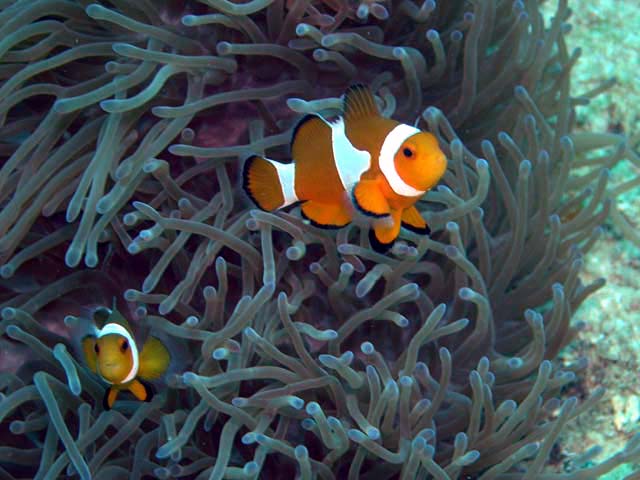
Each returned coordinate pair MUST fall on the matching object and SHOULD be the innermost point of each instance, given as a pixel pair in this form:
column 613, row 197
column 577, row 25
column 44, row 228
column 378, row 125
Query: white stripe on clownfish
column 392, row 143
column 286, row 176
column 117, row 329
column 350, row 162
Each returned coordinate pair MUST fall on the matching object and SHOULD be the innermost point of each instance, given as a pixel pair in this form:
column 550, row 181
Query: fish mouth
column 109, row 375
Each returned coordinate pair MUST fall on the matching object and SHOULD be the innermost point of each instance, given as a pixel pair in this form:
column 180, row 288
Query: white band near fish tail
column 390, row 147
column 117, row 329
column 286, row 175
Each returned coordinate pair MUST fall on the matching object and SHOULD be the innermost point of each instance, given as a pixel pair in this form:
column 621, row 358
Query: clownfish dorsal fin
column 103, row 316
column 117, row 317
column 359, row 104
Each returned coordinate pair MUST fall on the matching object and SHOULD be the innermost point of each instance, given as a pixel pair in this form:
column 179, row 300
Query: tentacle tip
column 251, row 333
column 367, row 348
column 188, row 20
column 466, row 293
column 520, row 91
column 7, row 271
column 296, row 403
column 301, row 452
column 189, row 378
column 356, row 435
column 373, row 433
column 94, row 10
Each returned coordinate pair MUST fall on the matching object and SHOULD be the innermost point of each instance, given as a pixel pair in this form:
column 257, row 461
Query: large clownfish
column 111, row 351
column 380, row 166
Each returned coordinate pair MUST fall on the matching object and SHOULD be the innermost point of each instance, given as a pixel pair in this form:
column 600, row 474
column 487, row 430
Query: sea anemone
column 123, row 126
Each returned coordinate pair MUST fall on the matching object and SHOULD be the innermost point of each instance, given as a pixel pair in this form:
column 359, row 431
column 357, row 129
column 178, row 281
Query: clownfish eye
column 407, row 152
column 124, row 346
column 96, row 348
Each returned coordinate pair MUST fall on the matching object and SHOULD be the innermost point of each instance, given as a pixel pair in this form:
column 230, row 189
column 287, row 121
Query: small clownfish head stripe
column 117, row 355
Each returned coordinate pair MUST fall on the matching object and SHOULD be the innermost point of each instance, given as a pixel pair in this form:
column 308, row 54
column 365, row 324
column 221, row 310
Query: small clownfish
column 111, row 352
column 378, row 165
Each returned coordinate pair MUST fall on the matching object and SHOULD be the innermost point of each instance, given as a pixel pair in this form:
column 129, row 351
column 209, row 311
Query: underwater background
column 478, row 351
column 610, row 337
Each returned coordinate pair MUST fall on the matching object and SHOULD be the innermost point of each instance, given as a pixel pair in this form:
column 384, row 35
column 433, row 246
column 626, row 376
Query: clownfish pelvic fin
column 385, row 231
column 326, row 215
column 110, row 396
column 412, row 220
column 368, row 198
column 142, row 391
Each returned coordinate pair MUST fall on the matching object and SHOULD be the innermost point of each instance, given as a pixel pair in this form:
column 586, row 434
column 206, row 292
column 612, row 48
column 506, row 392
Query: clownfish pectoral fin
column 384, row 233
column 369, row 199
column 109, row 398
column 141, row 391
column 154, row 359
column 268, row 183
column 376, row 244
column 88, row 349
column 359, row 104
column 412, row 220
column 325, row 215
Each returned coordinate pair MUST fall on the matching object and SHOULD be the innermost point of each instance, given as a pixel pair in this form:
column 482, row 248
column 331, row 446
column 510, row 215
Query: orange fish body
column 111, row 352
column 363, row 160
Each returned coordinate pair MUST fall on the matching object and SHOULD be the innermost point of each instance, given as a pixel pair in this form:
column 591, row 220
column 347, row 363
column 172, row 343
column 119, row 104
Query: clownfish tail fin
column 270, row 184
column 359, row 103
